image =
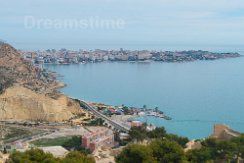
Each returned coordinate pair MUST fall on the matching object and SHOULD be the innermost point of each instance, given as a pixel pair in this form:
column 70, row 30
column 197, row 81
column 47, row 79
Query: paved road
column 100, row 115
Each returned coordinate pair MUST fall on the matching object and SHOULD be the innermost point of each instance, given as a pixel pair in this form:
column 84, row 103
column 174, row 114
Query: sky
column 40, row 24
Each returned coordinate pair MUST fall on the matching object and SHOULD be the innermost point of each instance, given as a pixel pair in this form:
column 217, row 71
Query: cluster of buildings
column 64, row 56
column 109, row 110
column 115, row 110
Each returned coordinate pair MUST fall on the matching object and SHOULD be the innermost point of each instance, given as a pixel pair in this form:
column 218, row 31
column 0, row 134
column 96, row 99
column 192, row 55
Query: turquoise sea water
column 195, row 94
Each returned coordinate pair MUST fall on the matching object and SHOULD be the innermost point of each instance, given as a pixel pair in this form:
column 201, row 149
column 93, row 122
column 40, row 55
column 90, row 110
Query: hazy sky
column 145, row 22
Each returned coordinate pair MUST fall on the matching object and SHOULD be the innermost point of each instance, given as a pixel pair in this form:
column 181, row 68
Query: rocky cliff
column 28, row 93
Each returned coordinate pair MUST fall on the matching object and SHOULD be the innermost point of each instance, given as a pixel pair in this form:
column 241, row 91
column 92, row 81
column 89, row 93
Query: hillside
column 14, row 69
column 28, row 93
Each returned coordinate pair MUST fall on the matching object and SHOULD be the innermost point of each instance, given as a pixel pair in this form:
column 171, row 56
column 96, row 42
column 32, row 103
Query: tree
column 218, row 150
column 225, row 150
column 200, row 155
column 156, row 109
column 97, row 122
column 144, row 107
column 33, row 155
column 72, row 143
column 159, row 132
column 180, row 140
column 138, row 133
column 126, row 110
column 5, row 150
column 75, row 144
column 210, row 142
column 239, row 141
column 39, row 156
column 77, row 157
column 136, row 153
column 167, row 151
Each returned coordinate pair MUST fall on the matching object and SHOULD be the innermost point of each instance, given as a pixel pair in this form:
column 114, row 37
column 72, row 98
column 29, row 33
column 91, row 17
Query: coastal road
column 115, row 124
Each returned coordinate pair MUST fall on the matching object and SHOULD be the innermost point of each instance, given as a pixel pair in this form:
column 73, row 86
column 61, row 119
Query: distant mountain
column 29, row 93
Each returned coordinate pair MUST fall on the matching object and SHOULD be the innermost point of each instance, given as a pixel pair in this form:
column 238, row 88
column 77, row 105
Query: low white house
column 56, row 151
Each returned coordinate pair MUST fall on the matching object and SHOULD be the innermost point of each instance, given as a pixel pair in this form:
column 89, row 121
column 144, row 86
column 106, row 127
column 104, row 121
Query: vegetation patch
column 163, row 147
column 51, row 142
column 70, row 143
column 39, row 156
column 13, row 133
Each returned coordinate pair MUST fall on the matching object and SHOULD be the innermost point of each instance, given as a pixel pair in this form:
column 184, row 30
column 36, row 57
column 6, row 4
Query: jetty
column 155, row 113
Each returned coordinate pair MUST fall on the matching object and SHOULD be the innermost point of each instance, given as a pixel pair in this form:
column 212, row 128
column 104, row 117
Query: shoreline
column 174, row 125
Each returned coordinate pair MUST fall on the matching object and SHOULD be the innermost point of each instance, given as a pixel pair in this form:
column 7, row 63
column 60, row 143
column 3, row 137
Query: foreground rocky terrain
column 28, row 93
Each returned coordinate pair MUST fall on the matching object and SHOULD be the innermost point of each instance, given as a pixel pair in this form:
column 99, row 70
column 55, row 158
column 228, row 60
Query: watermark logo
column 31, row 22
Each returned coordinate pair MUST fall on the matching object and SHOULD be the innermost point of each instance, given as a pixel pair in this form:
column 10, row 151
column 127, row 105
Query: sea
column 196, row 94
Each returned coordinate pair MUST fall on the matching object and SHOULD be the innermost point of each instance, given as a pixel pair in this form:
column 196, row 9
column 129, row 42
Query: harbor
column 110, row 110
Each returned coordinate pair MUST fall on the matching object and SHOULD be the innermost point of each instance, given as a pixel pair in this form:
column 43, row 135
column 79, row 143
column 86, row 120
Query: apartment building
column 98, row 137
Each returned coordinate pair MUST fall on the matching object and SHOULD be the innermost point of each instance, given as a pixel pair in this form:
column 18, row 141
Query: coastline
column 199, row 73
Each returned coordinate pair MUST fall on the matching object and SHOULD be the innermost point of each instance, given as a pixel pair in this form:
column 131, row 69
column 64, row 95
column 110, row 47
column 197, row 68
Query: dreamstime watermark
column 31, row 22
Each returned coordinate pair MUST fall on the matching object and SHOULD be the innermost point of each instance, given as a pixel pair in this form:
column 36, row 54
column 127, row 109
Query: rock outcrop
column 223, row 132
column 28, row 93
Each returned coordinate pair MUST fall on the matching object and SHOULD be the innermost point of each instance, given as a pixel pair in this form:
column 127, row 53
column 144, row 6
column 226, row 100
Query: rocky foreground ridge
column 28, row 93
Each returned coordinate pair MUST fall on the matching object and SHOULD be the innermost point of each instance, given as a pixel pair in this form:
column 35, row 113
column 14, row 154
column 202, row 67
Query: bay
column 196, row 95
